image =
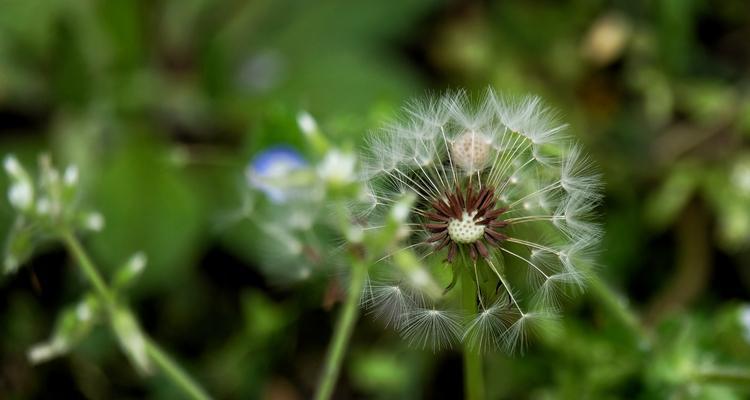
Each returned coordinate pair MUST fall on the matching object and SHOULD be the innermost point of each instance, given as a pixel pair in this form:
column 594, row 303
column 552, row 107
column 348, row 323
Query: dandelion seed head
column 497, row 186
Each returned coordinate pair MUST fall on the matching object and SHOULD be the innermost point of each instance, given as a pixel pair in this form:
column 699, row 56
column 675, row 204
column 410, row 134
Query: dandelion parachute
column 502, row 194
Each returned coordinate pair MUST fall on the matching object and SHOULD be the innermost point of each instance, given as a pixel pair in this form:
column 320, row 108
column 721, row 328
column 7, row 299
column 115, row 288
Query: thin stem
column 617, row 307
column 88, row 268
column 473, row 371
column 723, row 375
column 168, row 366
column 343, row 331
column 174, row 371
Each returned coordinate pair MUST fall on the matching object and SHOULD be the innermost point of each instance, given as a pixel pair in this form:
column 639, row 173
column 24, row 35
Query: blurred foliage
column 161, row 105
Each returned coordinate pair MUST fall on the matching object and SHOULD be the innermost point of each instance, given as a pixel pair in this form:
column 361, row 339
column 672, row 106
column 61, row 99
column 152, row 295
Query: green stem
column 616, row 306
column 723, row 375
column 473, row 371
column 74, row 246
column 343, row 331
column 174, row 371
column 166, row 364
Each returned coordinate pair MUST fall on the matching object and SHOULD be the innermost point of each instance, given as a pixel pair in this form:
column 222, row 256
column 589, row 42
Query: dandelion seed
column 431, row 328
column 498, row 186
column 389, row 303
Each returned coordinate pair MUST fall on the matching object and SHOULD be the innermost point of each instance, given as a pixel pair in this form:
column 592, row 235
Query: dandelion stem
column 168, row 366
column 343, row 331
column 473, row 371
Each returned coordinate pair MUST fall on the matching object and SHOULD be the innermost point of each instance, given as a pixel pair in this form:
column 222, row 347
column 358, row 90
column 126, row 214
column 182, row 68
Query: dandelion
column 505, row 205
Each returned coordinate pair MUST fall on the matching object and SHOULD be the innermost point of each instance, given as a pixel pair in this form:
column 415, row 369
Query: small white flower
column 744, row 319
column 94, row 222
column 306, row 123
column 43, row 206
column 83, row 312
column 741, row 176
column 12, row 166
column 21, row 195
column 48, row 350
column 70, row 177
column 137, row 262
column 10, row 264
column 337, row 167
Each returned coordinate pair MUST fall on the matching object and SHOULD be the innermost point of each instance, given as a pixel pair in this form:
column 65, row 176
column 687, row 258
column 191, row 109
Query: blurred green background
column 163, row 103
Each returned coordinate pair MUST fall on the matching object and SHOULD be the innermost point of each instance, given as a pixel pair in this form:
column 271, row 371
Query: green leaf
column 665, row 204
column 150, row 206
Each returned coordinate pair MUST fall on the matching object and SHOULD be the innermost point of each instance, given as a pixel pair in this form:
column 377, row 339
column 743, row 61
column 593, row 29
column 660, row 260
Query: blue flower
column 272, row 172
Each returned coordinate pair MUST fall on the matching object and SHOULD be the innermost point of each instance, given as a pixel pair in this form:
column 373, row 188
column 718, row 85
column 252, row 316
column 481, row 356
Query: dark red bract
column 452, row 207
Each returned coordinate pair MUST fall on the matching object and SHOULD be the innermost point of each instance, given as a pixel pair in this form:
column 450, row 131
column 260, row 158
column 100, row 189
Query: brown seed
column 452, row 252
column 495, row 235
column 455, row 206
column 478, row 200
column 496, row 213
column 443, row 243
column 436, row 217
column 435, row 227
column 490, row 240
column 442, row 207
column 482, row 249
column 437, row 236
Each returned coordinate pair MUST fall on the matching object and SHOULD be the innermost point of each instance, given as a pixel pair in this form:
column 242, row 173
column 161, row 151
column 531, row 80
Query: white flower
column 337, row 167
column 48, row 350
column 70, row 176
column 499, row 188
column 94, row 222
column 137, row 262
column 12, row 166
column 21, row 195
column 306, row 123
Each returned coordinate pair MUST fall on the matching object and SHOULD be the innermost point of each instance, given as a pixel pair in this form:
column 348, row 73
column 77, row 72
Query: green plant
column 48, row 210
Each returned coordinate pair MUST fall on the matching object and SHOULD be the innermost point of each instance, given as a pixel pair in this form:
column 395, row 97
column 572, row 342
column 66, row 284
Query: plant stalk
column 173, row 370
column 168, row 366
column 723, row 375
column 616, row 306
column 343, row 331
column 473, row 371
